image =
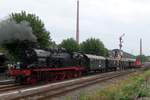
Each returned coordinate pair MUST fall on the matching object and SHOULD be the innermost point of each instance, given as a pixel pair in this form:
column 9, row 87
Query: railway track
column 5, row 86
column 10, row 87
column 13, row 87
column 8, row 81
column 63, row 90
column 57, row 89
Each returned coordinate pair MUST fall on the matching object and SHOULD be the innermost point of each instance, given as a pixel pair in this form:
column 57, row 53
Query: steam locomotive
column 58, row 64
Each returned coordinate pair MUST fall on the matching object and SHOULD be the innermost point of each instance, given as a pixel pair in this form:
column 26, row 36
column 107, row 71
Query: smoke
column 10, row 31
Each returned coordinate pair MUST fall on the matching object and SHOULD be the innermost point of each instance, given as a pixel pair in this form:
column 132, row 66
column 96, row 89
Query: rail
column 60, row 88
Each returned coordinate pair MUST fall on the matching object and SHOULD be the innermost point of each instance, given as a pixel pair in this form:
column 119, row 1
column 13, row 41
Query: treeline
column 90, row 46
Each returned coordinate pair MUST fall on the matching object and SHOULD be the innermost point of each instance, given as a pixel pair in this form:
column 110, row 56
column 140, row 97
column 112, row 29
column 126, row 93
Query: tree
column 38, row 28
column 24, row 25
column 16, row 49
column 53, row 44
column 70, row 45
column 93, row 46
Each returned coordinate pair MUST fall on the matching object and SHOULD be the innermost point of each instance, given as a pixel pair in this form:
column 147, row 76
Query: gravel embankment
column 74, row 95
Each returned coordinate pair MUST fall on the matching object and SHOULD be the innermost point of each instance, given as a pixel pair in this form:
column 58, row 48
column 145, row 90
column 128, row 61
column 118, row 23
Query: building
column 115, row 52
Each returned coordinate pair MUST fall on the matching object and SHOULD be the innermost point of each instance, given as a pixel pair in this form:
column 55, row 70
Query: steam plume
column 10, row 31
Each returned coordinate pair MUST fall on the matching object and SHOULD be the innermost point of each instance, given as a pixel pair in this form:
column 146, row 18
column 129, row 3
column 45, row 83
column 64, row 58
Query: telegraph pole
column 77, row 24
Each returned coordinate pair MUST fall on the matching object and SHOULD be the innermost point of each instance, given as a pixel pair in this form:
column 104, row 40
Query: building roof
column 94, row 56
column 125, row 54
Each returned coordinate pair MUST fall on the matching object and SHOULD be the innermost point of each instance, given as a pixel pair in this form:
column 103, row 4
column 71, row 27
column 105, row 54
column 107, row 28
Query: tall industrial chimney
column 77, row 24
column 140, row 46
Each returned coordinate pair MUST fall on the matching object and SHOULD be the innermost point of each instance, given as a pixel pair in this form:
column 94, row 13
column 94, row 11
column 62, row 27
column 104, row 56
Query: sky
column 102, row 19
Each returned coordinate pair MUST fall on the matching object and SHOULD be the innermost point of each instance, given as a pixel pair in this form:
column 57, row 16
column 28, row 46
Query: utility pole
column 77, row 24
column 140, row 46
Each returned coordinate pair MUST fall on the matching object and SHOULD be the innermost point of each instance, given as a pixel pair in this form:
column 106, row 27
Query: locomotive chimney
column 140, row 46
column 77, row 24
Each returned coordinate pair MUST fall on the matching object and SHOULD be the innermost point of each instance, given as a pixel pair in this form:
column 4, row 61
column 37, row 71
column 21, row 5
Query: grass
column 134, row 86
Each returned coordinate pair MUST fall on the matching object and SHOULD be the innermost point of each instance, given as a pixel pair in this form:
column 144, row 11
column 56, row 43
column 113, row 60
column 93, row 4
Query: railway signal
column 121, row 41
column 121, row 45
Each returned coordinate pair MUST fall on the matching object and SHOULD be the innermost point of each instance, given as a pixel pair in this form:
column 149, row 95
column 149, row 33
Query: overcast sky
column 103, row 19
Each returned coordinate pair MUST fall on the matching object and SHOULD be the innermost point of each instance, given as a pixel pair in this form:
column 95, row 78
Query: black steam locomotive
column 53, row 58
column 58, row 64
